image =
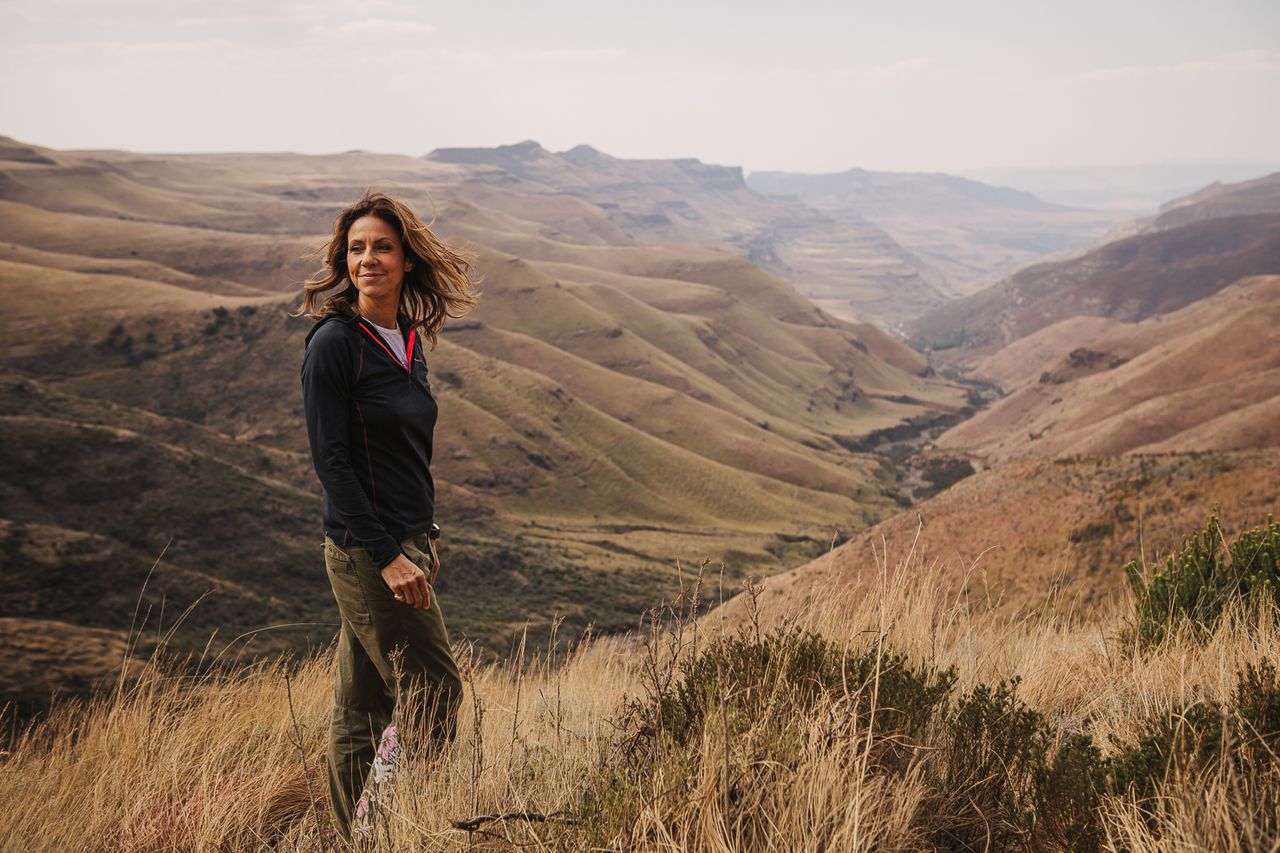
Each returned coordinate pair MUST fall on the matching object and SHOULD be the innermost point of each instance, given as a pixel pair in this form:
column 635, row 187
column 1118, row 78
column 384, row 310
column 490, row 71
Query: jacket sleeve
column 327, row 381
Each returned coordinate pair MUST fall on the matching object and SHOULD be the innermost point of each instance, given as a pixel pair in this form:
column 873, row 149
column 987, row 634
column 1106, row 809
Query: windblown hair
column 438, row 288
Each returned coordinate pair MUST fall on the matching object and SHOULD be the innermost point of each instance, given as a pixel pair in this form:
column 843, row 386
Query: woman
column 387, row 284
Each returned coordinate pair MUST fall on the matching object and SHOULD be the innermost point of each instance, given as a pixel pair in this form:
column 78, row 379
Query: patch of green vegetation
column 756, row 711
column 942, row 473
column 1239, row 739
column 449, row 378
column 1204, row 579
column 749, row 678
column 999, row 774
column 1000, row 784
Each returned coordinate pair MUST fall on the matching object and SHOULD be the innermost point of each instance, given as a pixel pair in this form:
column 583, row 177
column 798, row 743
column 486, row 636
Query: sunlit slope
column 48, row 304
column 263, row 261
column 1206, row 377
column 1018, row 533
column 718, row 327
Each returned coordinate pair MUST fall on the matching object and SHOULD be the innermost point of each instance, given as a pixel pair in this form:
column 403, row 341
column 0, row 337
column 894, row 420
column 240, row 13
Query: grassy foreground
column 910, row 719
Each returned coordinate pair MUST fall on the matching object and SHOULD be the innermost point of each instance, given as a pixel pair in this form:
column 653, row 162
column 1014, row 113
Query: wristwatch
column 434, row 532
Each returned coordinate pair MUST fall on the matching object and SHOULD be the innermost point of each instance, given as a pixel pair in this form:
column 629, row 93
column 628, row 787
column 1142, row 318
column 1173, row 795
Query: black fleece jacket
column 370, row 422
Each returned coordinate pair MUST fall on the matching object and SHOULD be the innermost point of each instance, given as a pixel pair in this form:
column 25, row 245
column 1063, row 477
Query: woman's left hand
column 407, row 582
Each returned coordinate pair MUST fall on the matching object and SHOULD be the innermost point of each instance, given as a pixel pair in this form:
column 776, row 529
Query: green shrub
column 1240, row 738
column 793, row 672
column 1204, row 578
column 1199, row 735
column 1068, row 791
column 1001, row 785
column 1000, row 775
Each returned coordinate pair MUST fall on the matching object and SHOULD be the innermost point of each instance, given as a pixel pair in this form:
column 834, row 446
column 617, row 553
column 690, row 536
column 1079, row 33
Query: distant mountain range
column 1133, row 189
column 962, row 234
column 881, row 247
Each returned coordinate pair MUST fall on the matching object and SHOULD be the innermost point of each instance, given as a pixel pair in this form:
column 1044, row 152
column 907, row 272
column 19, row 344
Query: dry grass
column 218, row 762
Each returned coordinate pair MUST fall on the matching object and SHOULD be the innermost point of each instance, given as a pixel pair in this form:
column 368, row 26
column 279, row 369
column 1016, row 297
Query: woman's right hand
column 407, row 582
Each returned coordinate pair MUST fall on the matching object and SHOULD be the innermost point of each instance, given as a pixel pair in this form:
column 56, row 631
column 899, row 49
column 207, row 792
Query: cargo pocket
column 344, row 578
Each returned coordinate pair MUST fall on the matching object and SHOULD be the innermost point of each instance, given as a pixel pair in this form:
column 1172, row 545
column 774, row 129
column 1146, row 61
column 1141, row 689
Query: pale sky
column 799, row 85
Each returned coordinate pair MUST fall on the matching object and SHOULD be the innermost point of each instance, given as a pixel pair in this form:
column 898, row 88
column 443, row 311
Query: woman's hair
column 439, row 286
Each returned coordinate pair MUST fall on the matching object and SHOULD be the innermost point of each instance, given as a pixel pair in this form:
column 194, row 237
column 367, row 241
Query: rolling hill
column 1204, row 377
column 1193, row 248
column 1127, row 280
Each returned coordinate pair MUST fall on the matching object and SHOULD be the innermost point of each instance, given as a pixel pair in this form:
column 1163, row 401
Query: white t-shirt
column 395, row 342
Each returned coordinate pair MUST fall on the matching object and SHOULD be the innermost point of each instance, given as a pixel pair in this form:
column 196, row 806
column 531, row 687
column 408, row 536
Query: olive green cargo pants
column 388, row 652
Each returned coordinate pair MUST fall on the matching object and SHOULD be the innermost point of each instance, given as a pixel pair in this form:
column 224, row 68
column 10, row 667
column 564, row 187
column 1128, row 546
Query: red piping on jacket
column 408, row 347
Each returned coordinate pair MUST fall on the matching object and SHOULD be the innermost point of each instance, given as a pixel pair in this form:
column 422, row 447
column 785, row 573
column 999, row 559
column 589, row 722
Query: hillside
column 1218, row 200
column 1023, row 533
column 608, row 409
column 1194, row 247
column 1205, row 377
column 1127, row 280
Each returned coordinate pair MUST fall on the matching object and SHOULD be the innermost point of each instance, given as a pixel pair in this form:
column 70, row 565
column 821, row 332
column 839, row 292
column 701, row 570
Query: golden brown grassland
column 907, row 719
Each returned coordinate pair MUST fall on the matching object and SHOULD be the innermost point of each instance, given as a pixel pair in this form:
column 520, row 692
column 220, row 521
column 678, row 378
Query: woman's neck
column 378, row 311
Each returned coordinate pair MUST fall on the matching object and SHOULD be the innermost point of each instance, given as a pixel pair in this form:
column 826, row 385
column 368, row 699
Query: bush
column 1204, row 578
column 1001, row 785
column 1000, row 774
column 751, row 714
column 1239, row 740
column 1199, row 736
column 793, row 672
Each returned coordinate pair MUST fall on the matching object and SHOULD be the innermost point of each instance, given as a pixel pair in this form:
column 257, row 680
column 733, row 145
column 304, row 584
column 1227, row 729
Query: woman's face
column 376, row 261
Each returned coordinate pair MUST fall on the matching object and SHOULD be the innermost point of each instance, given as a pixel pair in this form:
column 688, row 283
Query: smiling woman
column 370, row 420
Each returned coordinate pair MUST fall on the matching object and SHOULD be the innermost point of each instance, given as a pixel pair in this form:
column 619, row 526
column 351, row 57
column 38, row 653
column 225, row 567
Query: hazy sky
column 796, row 85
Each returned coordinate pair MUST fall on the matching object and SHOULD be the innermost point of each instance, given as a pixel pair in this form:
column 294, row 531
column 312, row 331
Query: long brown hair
column 439, row 287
